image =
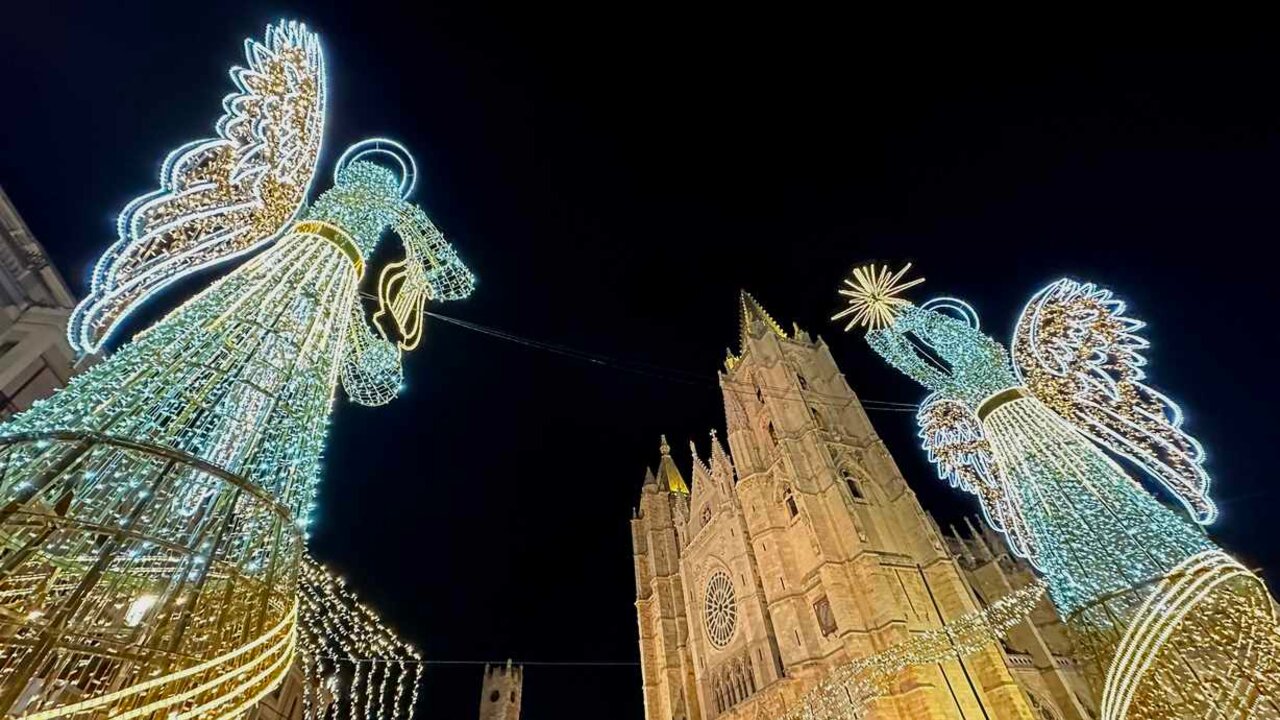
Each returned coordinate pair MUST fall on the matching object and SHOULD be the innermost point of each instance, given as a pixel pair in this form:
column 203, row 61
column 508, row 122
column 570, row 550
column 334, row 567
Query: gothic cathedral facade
column 798, row 548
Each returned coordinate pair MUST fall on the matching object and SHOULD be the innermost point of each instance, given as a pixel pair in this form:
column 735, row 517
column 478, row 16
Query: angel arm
column 371, row 370
column 447, row 277
column 965, row 364
column 892, row 344
column 431, row 270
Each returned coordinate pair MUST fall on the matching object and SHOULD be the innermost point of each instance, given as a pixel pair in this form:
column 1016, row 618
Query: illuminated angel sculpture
column 1178, row 629
column 153, row 514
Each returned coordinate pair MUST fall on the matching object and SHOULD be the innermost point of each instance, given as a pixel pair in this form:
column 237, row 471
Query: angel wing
column 431, row 270
column 954, row 441
column 223, row 196
column 1076, row 350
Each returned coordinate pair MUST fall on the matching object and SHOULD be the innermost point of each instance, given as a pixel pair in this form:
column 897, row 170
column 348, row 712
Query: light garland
column 342, row 640
column 1026, row 434
column 847, row 690
column 153, row 514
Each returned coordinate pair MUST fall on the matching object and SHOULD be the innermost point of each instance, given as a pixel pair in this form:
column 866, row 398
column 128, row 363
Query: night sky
column 614, row 174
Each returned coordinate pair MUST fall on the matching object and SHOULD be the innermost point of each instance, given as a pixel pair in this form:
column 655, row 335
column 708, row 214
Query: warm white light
column 138, row 609
column 873, row 296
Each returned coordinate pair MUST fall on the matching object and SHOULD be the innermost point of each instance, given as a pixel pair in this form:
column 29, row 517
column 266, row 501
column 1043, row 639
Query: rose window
column 721, row 609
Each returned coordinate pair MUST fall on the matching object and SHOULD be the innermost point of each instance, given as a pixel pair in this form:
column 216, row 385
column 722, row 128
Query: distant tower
column 500, row 694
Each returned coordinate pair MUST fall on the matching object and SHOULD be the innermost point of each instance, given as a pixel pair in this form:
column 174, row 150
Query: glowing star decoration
column 158, row 506
column 1029, row 434
column 873, row 296
column 222, row 197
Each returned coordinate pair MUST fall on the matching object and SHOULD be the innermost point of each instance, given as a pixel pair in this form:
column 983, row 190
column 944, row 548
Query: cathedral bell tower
column 656, row 528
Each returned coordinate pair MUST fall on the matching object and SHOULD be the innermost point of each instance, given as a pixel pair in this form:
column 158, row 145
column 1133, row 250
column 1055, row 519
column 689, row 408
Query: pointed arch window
column 817, row 418
column 826, row 619
column 804, row 384
column 773, row 434
column 790, row 501
column 852, row 483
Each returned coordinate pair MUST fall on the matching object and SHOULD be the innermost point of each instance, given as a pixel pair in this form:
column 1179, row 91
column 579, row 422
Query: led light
column 1077, row 351
column 957, row 306
column 431, row 270
column 382, row 147
column 138, row 609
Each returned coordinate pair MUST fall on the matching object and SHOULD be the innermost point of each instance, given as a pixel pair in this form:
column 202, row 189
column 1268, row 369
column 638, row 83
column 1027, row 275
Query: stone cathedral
column 800, row 547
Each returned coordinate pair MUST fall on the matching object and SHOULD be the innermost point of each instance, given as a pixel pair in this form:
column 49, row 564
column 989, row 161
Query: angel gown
column 184, row 469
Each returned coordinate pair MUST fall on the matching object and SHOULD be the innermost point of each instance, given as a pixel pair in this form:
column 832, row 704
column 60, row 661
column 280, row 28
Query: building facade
column 799, row 547
column 1038, row 651
column 35, row 357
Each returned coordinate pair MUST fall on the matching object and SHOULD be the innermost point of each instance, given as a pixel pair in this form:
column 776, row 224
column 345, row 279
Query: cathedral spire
column 697, row 462
column 719, row 458
column 668, row 475
column 751, row 312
